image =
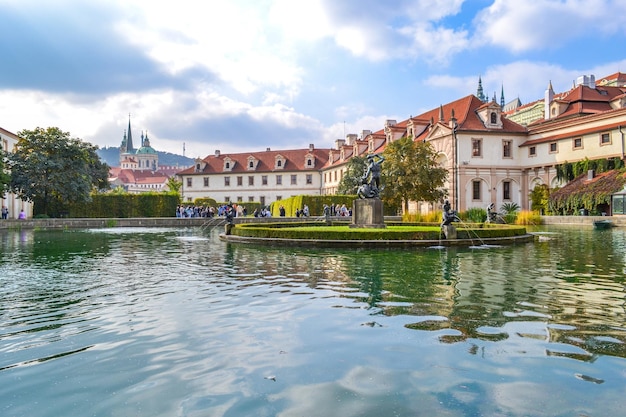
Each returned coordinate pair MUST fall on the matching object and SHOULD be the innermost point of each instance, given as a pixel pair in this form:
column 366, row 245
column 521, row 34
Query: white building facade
column 262, row 177
column 8, row 141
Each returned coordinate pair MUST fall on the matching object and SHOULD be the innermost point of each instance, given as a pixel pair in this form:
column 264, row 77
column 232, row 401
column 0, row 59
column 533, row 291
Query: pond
column 175, row 322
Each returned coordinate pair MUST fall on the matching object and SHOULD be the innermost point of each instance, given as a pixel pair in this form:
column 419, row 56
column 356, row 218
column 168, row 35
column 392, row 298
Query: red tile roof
column 294, row 160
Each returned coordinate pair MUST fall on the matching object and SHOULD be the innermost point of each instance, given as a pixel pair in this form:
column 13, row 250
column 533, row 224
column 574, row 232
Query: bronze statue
column 370, row 181
column 449, row 215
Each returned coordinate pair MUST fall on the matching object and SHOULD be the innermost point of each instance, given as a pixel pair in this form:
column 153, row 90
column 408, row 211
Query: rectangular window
column 309, row 179
column 477, row 145
column 262, row 201
column 294, row 179
column 578, row 143
column 206, row 181
column 605, row 139
column 239, row 199
column 264, row 179
column 506, row 190
column 188, row 182
column 335, row 175
column 532, row 151
column 279, row 180
column 553, row 147
column 250, row 199
column 619, row 204
column 506, row 148
column 226, row 181
column 279, row 197
column 251, row 180
column 476, row 190
column 239, row 181
column 227, row 199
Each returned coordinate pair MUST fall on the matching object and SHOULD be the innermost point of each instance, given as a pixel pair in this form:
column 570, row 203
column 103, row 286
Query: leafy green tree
column 539, row 197
column 5, row 178
column 52, row 169
column 411, row 173
column 173, row 185
column 351, row 179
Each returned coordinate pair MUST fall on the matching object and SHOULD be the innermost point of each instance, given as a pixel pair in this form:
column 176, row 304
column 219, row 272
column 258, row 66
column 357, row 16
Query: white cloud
column 521, row 26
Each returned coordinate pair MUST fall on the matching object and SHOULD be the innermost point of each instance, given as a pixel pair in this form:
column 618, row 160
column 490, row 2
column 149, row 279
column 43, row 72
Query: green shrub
column 474, row 215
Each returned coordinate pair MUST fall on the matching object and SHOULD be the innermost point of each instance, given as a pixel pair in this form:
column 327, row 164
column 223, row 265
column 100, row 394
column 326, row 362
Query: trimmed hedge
column 316, row 204
column 126, row 206
column 317, row 231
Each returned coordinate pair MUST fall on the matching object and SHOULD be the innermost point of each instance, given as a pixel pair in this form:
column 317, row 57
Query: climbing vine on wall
column 585, row 193
column 567, row 171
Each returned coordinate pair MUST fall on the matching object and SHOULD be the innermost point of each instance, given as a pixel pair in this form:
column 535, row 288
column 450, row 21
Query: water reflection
column 175, row 322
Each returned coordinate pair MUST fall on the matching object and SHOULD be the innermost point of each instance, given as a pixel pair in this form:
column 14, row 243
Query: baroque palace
column 495, row 153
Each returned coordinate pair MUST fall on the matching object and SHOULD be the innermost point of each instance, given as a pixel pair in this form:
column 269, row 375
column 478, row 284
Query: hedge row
column 333, row 233
column 317, row 231
column 126, row 206
column 316, row 204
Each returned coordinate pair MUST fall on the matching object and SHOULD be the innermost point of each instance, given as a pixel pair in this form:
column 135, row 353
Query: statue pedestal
column 368, row 212
column 449, row 231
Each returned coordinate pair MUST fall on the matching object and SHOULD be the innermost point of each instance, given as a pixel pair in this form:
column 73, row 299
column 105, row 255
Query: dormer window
column 199, row 165
column 490, row 116
column 252, row 163
column 279, row 162
column 228, row 164
column 309, row 161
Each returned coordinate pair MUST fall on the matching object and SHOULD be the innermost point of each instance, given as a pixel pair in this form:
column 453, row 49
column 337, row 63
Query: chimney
column 217, row 152
column 267, row 149
column 350, row 138
column 365, row 133
column 339, row 143
column 311, row 147
column 586, row 80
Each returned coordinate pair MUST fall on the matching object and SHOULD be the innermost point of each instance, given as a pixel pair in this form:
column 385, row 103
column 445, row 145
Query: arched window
column 494, row 117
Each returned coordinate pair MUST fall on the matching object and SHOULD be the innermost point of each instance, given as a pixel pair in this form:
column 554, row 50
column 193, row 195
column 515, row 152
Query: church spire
column 502, row 97
column 479, row 92
column 129, row 139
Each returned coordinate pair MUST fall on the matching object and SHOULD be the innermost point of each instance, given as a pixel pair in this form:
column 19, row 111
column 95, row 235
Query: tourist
column 22, row 215
column 305, row 211
column 5, row 212
column 281, row 210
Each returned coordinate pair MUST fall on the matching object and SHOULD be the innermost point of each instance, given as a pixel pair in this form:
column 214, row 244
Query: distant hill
column 111, row 156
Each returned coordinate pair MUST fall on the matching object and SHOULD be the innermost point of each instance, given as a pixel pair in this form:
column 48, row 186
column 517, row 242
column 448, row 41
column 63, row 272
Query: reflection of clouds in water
column 545, row 399
column 363, row 392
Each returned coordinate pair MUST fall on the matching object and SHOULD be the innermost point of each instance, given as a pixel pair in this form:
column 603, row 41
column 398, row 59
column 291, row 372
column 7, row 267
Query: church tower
column 479, row 92
column 502, row 97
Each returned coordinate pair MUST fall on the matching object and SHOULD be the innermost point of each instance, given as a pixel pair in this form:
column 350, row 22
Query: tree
column 411, row 173
column 48, row 167
column 174, row 185
column 351, row 179
column 5, row 177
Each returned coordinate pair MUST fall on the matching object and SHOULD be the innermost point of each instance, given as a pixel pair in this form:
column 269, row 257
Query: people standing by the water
column 22, row 215
column 5, row 212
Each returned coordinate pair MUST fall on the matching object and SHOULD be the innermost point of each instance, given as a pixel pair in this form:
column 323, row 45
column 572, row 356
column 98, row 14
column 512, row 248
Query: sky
column 245, row 75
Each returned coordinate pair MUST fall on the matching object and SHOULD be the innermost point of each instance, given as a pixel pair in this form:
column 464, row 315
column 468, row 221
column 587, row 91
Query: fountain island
column 368, row 228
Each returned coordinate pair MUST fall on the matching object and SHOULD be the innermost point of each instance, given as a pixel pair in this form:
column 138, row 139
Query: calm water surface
column 164, row 322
